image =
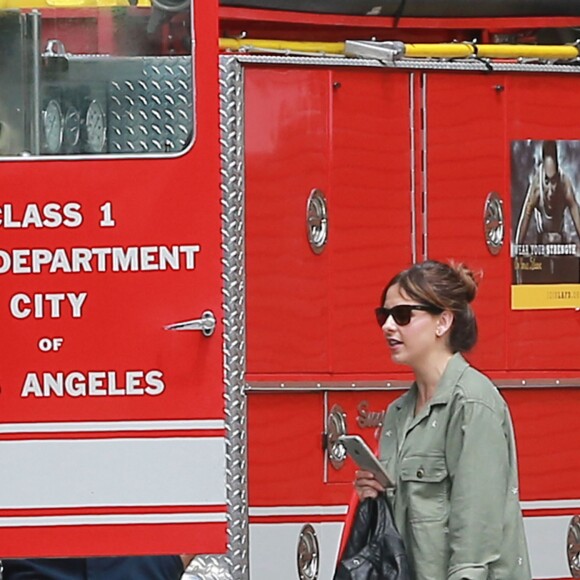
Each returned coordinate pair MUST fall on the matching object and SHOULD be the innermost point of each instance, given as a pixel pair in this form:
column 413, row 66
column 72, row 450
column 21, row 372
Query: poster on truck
column 545, row 189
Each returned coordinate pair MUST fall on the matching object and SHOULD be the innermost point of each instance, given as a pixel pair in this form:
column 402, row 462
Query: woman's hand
column 366, row 485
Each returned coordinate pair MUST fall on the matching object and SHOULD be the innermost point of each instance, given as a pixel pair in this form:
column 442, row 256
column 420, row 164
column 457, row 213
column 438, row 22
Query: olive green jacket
column 454, row 465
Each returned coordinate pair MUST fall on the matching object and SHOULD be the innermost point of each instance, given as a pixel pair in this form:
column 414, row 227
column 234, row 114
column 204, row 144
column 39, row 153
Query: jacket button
column 420, row 473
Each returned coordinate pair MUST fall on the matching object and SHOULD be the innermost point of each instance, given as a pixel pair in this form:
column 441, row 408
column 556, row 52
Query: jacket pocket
column 425, row 485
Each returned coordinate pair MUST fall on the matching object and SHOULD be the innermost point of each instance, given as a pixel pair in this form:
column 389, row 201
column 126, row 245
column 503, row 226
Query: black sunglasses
column 402, row 313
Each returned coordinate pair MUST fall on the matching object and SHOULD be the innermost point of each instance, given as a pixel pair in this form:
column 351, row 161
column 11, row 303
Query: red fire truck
column 192, row 245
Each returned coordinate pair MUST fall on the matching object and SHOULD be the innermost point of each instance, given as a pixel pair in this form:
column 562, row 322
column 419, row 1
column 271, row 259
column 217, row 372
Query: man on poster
column 550, row 193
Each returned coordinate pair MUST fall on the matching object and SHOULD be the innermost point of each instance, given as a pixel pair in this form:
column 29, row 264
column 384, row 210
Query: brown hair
column 450, row 287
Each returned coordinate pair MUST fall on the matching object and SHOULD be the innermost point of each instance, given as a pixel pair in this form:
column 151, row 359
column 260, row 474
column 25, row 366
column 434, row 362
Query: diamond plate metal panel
column 208, row 567
column 471, row 64
column 234, row 275
column 235, row 564
column 152, row 111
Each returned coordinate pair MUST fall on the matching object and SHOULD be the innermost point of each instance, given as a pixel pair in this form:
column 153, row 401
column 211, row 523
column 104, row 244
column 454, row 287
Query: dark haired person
column 448, row 442
column 114, row 568
column 549, row 195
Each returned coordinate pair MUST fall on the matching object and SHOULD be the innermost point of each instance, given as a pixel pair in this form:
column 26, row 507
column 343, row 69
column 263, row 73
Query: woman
column 448, row 442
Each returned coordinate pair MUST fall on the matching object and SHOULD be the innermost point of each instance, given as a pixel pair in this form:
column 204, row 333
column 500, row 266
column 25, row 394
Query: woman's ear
column 444, row 323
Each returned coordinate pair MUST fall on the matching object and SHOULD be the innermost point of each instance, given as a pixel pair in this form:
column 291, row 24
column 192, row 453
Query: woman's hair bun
column 468, row 279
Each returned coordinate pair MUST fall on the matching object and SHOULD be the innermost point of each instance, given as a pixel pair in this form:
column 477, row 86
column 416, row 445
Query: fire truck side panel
column 357, row 134
column 113, row 434
column 286, row 145
column 548, row 463
column 290, row 115
column 274, row 550
column 370, row 209
column 541, row 107
column 346, row 133
column 548, row 467
column 285, row 450
column 287, row 489
column 466, row 155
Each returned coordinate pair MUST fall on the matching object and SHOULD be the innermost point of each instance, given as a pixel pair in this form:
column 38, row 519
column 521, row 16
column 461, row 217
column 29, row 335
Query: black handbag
column 375, row 549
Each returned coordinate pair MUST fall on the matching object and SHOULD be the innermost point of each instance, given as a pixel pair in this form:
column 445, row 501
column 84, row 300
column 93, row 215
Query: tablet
column 363, row 456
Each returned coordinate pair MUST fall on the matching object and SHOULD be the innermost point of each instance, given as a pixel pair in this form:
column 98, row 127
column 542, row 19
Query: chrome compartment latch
column 206, row 324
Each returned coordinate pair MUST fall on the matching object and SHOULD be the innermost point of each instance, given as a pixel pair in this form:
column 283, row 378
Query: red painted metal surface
column 287, row 141
column 121, row 327
column 370, row 209
column 310, row 316
column 544, row 425
column 282, row 24
column 466, row 160
column 113, row 540
column 472, row 120
column 312, row 312
column 340, row 20
column 285, row 452
column 541, row 108
column 135, row 305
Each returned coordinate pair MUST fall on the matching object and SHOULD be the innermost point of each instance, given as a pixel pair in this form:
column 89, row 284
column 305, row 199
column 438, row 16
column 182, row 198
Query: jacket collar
column 451, row 375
